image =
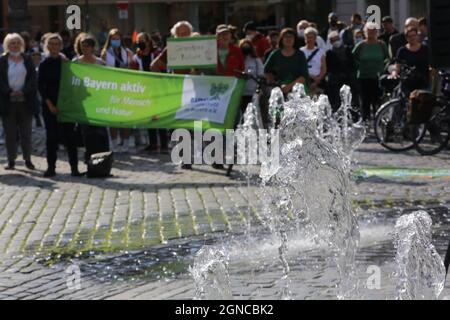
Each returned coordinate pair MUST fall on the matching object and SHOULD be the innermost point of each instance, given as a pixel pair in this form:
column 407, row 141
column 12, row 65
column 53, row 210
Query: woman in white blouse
column 18, row 98
column 114, row 54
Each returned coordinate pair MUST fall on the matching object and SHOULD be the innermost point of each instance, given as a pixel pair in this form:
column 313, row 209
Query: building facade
column 150, row 15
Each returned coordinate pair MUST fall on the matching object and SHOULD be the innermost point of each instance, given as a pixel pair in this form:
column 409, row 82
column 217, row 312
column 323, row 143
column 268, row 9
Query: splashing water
column 210, row 273
column 420, row 269
column 312, row 184
column 309, row 187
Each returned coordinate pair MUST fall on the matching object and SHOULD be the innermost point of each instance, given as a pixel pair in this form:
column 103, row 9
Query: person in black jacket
column 49, row 78
column 341, row 71
column 18, row 98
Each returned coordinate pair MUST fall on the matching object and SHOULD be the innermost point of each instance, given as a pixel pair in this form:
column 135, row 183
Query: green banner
column 118, row 98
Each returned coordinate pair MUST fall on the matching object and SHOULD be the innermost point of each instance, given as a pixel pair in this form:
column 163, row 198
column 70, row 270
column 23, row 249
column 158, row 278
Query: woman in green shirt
column 371, row 57
column 287, row 65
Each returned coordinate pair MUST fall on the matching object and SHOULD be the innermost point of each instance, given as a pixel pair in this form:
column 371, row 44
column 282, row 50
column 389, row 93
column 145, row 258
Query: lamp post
column 18, row 16
column 87, row 18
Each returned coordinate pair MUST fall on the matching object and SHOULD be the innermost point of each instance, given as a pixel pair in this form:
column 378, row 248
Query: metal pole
column 87, row 17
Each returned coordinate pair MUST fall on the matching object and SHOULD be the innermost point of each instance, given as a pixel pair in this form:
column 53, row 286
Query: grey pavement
column 150, row 205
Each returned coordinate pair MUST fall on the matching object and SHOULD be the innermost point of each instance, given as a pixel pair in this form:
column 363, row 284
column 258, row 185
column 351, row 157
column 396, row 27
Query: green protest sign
column 192, row 52
column 103, row 96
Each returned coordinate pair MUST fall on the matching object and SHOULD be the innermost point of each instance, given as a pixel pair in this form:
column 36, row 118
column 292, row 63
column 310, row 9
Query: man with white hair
column 399, row 40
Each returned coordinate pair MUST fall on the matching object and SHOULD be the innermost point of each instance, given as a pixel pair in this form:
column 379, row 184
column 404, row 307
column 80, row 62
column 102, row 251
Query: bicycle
column 392, row 129
column 436, row 119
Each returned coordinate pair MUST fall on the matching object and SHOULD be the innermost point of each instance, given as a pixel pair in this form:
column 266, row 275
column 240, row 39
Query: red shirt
column 261, row 45
column 235, row 61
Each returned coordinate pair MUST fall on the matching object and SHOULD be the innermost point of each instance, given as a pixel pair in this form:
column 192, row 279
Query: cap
column 387, row 19
column 222, row 28
column 251, row 25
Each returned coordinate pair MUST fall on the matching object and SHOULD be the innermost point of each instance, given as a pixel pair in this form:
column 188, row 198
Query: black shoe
column 186, row 166
column 164, row 151
column 10, row 166
column 30, row 165
column 50, row 173
column 218, row 166
column 77, row 173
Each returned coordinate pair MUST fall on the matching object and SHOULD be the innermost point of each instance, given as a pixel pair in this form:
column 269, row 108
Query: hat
column 332, row 15
column 251, row 25
column 222, row 28
column 387, row 19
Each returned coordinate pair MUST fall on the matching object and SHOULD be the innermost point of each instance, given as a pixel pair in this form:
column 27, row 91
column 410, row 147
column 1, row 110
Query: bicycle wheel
column 391, row 128
column 436, row 136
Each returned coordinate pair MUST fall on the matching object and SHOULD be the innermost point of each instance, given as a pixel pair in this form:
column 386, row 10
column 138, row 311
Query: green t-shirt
column 286, row 69
column 370, row 59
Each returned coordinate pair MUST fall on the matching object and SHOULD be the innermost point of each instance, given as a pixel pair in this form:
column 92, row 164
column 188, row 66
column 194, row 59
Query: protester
column 399, row 40
column 142, row 61
column 388, row 30
column 49, row 80
column 414, row 54
column 341, row 71
column 423, row 30
column 68, row 47
column 18, row 98
column 274, row 38
column 371, row 57
column 95, row 138
column 347, row 33
column 316, row 60
column 254, row 67
column 181, row 29
column 114, row 54
column 301, row 27
column 333, row 25
column 258, row 40
column 287, row 65
column 358, row 36
column 230, row 58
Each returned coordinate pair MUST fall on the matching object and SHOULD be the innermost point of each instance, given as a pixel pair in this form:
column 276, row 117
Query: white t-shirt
column 314, row 66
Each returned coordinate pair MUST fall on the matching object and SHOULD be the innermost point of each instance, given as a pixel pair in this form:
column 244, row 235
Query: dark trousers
column 335, row 83
column 18, row 121
column 370, row 97
column 60, row 132
column 153, row 138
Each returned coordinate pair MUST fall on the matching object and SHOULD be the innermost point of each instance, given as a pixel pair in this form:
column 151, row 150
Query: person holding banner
column 114, row 54
column 181, row 29
column 49, row 79
column 18, row 98
column 141, row 61
column 95, row 137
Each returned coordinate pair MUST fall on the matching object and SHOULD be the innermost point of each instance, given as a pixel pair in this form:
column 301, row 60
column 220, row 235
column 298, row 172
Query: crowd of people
column 357, row 55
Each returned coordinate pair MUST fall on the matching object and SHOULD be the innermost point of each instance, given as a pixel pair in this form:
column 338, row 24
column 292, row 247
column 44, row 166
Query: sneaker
column 30, row 165
column 126, row 146
column 50, row 173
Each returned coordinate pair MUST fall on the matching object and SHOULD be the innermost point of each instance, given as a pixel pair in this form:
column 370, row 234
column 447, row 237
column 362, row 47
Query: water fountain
column 307, row 204
column 420, row 269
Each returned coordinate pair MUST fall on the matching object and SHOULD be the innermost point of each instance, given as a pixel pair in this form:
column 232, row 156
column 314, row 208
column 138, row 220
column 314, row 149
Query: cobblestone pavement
column 149, row 206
